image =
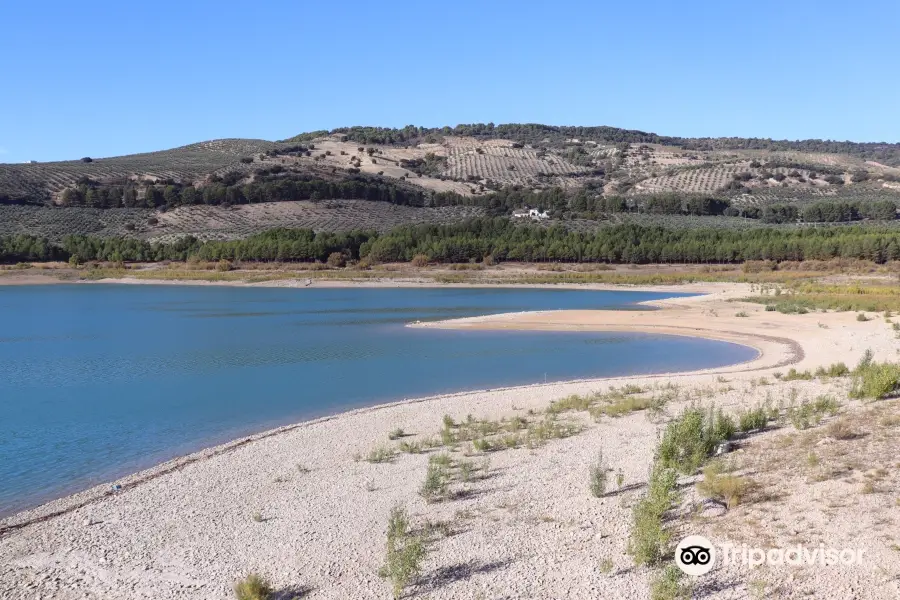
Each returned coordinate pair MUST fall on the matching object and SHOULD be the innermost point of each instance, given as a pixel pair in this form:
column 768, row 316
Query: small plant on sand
column 405, row 552
column 620, row 479
column 396, row 434
column 841, row 430
column 380, row 454
column 795, row 375
column 861, row 317
column 252, row 587
column 742, row 314
column 598, row 475
column 466, row 468
column 834, row 370
column 257, row 517
column 606, row 566
column 809, row 414
column 718, row 485
column 436, row 481
column 668, row 584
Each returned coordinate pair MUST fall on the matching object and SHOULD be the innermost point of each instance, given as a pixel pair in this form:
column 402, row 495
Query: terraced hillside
column 371, row 177
column 193, row 162
column 221, row 223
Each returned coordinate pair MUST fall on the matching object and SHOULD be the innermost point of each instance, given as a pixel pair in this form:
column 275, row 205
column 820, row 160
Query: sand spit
column 298, row 505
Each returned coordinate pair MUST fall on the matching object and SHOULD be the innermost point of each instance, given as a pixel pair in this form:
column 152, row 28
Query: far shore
column 183, row 529
column 15, row 279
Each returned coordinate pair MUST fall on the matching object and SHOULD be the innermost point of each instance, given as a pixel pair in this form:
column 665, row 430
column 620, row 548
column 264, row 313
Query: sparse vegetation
column 598, row 475
column 811, row 413
column 669, row 584
column 253, row 587
column 380, row 454
column 404, row 554
column 722, row 486
column 649, row 541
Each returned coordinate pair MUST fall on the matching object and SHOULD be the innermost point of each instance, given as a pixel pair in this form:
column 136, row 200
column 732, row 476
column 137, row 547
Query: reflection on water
column 98, row 381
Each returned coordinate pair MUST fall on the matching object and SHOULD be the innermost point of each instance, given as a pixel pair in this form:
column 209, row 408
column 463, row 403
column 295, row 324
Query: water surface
column 97, row 381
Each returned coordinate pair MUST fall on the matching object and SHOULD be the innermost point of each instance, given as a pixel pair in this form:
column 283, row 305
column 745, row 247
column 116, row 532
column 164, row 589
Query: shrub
column 223, row 265
column 835, row 370
column 434, row 487
column 794, row 375
column 598, row 475
column 395, row 434
column 727, row 488
column 811, row 413
column 690, row 438
column 405, row 552
column 752, row 419
column 649, row 541
column 253, row 587
column 841, row 430
column 419, row 260
column 380, row 454
column 668, row 585
column 875, row 380
column 861, row 317
column 336, row 260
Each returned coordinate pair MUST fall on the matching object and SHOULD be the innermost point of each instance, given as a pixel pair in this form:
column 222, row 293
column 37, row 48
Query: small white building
column 530, row 213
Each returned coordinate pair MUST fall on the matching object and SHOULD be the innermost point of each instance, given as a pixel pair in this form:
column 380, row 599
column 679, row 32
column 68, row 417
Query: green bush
column 754, row 418
column 405, row 552
column 834, row 370
column 253, row 587
column 875, row 380
column 437, row 478
column 649, row 541
column 794, row 375
column 811, row 413
column 668, row 585
column 690, row 438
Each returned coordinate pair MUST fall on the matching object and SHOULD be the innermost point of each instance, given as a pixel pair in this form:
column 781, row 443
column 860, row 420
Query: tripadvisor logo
column 695, row 555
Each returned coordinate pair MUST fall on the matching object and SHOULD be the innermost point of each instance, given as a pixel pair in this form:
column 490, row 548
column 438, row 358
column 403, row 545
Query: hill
column 580, row 174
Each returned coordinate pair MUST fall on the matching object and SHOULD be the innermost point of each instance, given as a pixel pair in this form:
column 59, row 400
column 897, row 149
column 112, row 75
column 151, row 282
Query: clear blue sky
column 105, row 78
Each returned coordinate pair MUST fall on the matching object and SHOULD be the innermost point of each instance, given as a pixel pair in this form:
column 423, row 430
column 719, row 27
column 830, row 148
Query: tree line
column 269, row 186
column 499, row 238
column 538, row 134
column 826, row 211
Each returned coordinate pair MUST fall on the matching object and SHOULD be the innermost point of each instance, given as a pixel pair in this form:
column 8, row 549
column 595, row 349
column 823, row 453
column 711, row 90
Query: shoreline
column 786, row 351
column 697, row 287
column 182, row 529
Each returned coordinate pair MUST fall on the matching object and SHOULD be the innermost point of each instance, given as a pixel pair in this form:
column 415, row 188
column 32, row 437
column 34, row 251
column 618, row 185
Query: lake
column 98, row 381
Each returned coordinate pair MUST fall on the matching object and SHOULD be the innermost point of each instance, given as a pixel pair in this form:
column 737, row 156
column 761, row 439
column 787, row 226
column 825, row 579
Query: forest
column 476, row 239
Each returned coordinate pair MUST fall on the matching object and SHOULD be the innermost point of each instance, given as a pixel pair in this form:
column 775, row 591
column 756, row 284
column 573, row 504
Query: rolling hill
column 378, row 178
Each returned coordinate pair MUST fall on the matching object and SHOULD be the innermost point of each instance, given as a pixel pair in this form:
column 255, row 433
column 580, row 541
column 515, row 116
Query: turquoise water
column 98, row 381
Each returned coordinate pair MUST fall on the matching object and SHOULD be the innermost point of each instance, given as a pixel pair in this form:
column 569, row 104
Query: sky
column 109, row 78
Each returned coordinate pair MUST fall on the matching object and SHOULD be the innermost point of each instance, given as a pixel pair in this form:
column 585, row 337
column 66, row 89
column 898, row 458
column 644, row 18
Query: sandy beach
column 302, row 506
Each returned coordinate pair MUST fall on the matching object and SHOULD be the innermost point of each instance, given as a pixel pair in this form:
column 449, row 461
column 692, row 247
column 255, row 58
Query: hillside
column 417, row 175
